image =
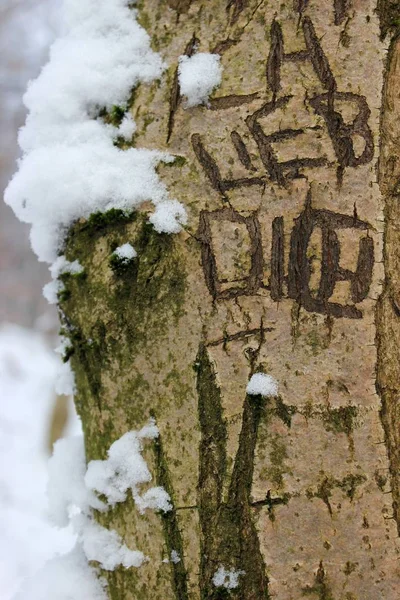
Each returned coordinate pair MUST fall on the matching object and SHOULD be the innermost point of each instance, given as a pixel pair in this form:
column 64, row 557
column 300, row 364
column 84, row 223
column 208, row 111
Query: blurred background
column 31, row 415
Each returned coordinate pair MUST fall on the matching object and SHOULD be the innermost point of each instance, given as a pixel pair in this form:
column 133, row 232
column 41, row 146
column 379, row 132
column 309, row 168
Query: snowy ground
column 28, row 369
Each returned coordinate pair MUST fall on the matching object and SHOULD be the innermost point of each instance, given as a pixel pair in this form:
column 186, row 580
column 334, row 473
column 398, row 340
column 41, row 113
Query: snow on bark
column 262, row 385
column 198, row 76
column 124, row 470
column 72, row 497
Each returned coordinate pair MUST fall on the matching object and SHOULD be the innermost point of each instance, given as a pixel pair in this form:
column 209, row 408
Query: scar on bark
column 234, row 8
column 175, row 97
column 341, row 133
column 213, row 173
column 300, row 5
column 228, row 532
column 181, row 6
column 208, row 259
column 242, row 151
column 341, row 8
column 299, row 268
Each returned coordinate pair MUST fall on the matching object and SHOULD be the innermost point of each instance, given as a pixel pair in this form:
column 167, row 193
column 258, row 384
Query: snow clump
column 72, row 497
column 227, row 579
column 64, row 578
column 262, row 385
column 198, row 76
column 70, row 165
column 60, row 266
column 125, row 469
column 125, row 253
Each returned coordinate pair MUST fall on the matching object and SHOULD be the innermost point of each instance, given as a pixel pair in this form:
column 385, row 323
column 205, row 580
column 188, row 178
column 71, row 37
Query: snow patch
column 65, row 381
column 125, row 253
column 107, row 548
column 66, row 490
column 61, row 265
column 70, row 165
column 127, row 127
column 198, row 76
column 68, row 577
column 124, row 470
column 175, row 558
column 262, row 385
column 168, row 217
column 227, row 579
column 72, row 498
column 52, row 289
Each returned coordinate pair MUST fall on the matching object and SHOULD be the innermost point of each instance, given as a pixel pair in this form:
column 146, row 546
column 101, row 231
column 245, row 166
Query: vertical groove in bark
column 388, row 315
column 229, row 535
column 389, row 15
column 172, row 534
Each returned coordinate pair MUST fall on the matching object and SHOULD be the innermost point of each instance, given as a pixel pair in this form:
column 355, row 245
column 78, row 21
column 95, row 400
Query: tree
column 288, row 266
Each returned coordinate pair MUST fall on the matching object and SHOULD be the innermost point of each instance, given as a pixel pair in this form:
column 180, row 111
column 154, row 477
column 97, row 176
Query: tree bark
column 289, row 265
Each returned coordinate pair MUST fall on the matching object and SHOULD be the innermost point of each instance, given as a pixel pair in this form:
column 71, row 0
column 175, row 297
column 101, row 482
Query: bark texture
column 289, row 265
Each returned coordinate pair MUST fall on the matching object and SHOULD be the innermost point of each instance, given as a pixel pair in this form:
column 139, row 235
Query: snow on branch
column 71, row 166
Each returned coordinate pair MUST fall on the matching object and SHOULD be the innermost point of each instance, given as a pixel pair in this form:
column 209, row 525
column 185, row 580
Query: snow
column 262, row 385
column 51, row 291
column 198, row 76
column 67, row 577
column 61, row 265
column 125, row 469
column 72, row 498
column 127, row 127
column 126, row 252
column 227, row 579
column 106, row 547
column 175, row 558
column 28, row 369
column 66, row 490
column 65, row 380
column 71, row 166
column 168, row 217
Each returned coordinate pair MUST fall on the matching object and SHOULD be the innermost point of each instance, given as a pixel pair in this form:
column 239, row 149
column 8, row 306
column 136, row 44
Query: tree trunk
column 289, row 265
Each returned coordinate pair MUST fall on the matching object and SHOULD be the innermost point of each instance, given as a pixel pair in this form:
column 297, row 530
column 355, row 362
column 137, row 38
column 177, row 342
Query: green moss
column 122, row 266
column 277, row 456
column 98, row 222
column 348, row 485
column 63, row 296
column 68, row 352
column 143, row 17
column 285, row 411
column 389, row 15
column 109, row 320
column 172, row 534
column 340, row 420
column 116, row 114
column 321, row 588
column 381, row 480
column 178, row 161
column 316, row 342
